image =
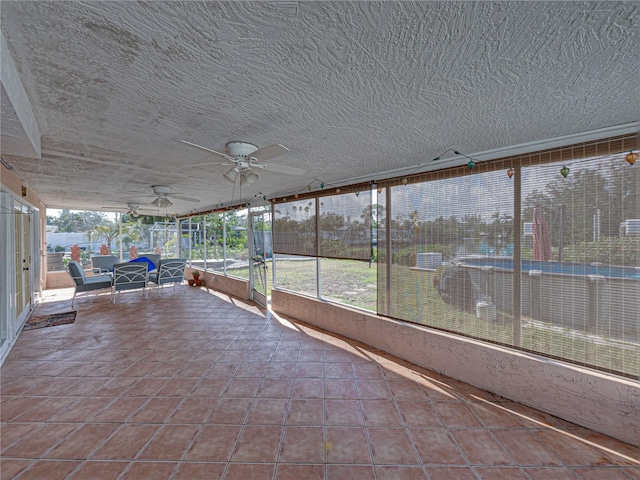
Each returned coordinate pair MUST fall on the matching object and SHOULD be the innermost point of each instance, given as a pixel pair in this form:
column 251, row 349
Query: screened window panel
column 214, row 242
column 438, row 229
column 345, row 226
column 192, row 241
column 448, row 257
column 583, row 304
column 349, row 282
column 294, row 228
column 218, row 242
column 237, row 243
column 381, row 250
column 297, row 274
column 166, row 236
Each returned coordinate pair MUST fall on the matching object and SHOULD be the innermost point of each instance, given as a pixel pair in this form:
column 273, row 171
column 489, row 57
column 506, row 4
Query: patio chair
column 103, row 263
column 153, row 258
column 170, row 270
column 84, row 283
column 129, row 276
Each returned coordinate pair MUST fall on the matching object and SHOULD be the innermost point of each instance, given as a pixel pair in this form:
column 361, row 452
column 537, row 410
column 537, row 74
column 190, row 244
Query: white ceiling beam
column 19, row 131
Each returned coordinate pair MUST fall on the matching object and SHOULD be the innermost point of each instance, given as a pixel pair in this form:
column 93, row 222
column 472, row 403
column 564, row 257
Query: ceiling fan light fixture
column 248, row 178
column 162, row 202
column 231, row 175
column 133, row 209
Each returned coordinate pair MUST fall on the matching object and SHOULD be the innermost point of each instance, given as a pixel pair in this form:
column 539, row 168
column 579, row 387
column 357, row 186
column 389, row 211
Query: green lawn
column 416, row 300
column 349, row 282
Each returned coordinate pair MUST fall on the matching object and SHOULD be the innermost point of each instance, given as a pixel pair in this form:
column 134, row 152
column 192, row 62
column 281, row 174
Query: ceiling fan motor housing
column 161, row 190
column 241, row 149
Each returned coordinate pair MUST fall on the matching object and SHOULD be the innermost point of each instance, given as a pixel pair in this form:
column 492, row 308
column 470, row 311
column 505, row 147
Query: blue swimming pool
column 555, row 267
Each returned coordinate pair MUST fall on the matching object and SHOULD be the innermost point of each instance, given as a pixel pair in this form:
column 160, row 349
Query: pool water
column 566, row 268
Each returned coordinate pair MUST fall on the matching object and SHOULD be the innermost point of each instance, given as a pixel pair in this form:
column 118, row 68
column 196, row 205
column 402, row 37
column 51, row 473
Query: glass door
column 22, row 263
column 259, row 256
column 6, row 269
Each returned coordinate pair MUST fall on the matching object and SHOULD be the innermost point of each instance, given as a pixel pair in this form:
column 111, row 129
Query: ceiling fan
column 133, row 209
column 243, row 157
column 161, row 192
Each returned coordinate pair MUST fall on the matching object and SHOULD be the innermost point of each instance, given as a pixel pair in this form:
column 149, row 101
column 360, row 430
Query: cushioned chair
column 153, row 257
column 103, row 263
column 151, row 265
column 129, row 276
column 84, row 283
column 170, row 270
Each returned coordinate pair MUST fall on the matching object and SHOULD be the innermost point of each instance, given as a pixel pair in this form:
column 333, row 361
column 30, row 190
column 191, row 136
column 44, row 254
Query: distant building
column 630, row 226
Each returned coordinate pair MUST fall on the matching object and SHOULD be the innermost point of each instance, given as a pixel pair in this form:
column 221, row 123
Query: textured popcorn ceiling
column 353, row 89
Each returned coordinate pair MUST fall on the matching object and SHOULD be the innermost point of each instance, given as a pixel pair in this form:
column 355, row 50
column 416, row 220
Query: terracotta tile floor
column 198, row 385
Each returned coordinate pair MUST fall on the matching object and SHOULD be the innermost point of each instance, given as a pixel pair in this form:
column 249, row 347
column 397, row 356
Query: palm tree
column 106, row 233
column 131, row 233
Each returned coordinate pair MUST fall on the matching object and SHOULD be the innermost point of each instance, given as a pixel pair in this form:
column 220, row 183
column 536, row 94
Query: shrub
column 609, row 250
column 407, row 256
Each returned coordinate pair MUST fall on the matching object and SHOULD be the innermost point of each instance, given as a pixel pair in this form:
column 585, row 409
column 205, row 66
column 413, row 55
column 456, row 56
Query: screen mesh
column 546, row 259
column 435, row 227
column 294, row 228
column 580, row 247
column 539, row 251
column 345, row 226
column 342, row 230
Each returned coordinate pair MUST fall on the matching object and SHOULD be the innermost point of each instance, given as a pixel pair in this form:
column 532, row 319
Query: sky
column 55, row 212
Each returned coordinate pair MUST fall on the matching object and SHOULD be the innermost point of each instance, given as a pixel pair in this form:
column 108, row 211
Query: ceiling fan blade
column 226, row 157
column 207, row 163
column 267, row 153
column 271, row 167
column 186, row 199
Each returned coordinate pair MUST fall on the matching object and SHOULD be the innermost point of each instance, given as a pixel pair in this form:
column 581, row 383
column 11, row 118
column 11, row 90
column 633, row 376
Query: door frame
column 29, row 247
column 258, row 259
column 26, row 242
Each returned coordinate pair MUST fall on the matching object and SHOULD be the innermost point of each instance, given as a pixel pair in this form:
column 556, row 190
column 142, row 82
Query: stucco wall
column 604, row 403
column 236, row 287
column 10, row 180
column 59, row 279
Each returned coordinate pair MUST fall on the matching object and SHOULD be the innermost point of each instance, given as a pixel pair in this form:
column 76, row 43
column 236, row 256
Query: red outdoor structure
column 75, row 252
